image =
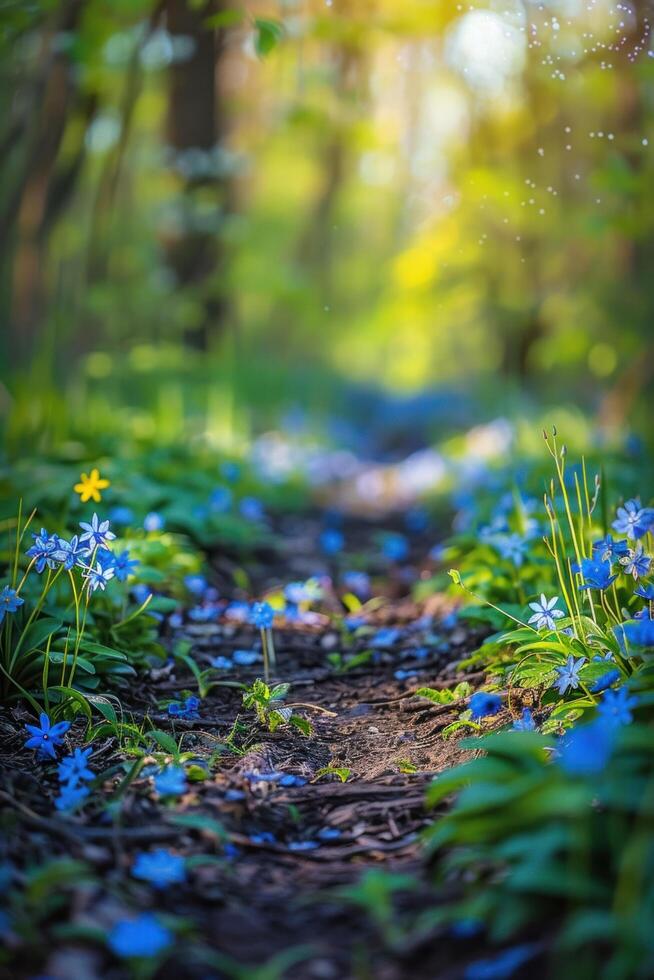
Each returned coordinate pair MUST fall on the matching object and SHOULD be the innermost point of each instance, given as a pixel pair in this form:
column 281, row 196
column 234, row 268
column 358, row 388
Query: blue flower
column 153, row 522
column 525, row 723
column 615, row 707
column 636, row 563
column 288, row 779
column 220, row 499
column 124, row 565
column 121, row 515
column 245, row 658
column 161, row 868
column 297, row 592
column 328, row 833
column 395, row 547
column 545, row 613
column 203, row 614
column 70, row 796
column 196, row 584
column 74, row 768
column 645, row 592
column 221, row 663
column 170, row 781
column 251, row 509
column 238, row 612
column 141, row 592
column 502, row 966
column 483, row 704
column 386, row 637
column 98, row 577
column 97, row 533
column 230, row 470
column 596, row 574
column 358, row 583
column 606, row 549
column 70, row 553
column 46, row 738
column 262, row 615
column 639, row 633
column 512, row 547
column 586, row 750
column 143, row 936
column 331, row 541
column 10, row 601
column 605, row 681
column 43, row 550
column 633, row 519
column 569, row 674
column 189, row 709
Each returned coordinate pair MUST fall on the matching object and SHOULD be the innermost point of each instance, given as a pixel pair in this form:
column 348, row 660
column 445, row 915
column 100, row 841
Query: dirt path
column 282, row 839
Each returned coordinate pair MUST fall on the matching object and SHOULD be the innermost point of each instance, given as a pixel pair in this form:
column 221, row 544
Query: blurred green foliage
column 253, row 200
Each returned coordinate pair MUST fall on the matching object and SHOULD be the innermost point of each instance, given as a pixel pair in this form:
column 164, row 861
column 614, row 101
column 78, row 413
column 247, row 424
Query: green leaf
column 105, row 707
column 39, row 631
column 342, row 772
column 437, row 697
column 225, row 18
column 166, row 741
column 267, row 34
column 302, row 724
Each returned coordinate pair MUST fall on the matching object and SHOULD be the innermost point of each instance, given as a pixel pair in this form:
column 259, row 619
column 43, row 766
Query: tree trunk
column 197, row 122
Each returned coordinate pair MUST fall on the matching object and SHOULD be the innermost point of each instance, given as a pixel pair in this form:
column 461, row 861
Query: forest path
column 271, row 841
column 300, row 845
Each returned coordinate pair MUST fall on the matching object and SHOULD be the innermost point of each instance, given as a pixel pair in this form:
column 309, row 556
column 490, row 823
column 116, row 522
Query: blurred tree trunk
column 43, row 189
column 314, row 250
column 197, row 121
column 635, row 251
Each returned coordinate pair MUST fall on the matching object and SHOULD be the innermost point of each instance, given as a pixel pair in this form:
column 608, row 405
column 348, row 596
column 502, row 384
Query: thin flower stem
column 554, row 552
column 582, row 535
column 22, row 581
column 264, row 644
column 78, row 637
column 46, row 670
column 566, row 500
column 271, row 649
column 492, row 605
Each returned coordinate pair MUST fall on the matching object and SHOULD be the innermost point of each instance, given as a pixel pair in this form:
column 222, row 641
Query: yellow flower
column 89, row 487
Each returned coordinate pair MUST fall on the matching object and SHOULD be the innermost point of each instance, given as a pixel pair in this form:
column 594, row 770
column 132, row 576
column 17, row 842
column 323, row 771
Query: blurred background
column 382, row 220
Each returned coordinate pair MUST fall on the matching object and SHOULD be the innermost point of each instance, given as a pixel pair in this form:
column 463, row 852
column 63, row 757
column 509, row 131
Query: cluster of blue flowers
column 90, row 551
column 185, row 709
column 598, row 572
column 73, row 771
column 585, row 750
